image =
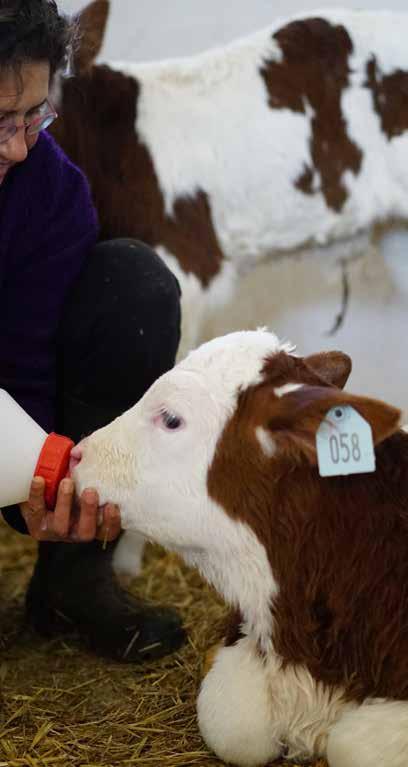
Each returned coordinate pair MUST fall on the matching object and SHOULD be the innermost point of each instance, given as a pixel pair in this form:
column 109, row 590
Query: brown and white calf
column 292, row 139
column 218, row 462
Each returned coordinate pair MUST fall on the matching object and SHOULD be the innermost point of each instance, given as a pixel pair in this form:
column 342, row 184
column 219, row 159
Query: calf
column 294, row 138
column 218, row 463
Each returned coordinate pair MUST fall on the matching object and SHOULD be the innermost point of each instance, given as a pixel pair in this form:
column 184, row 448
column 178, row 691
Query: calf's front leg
column 128, row 554
column 374, row 734
column 235, row 710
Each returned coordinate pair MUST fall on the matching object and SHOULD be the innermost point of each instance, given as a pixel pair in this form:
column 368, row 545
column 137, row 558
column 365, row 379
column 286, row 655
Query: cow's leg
column 234, row 707
column 128, row 554
column 192, row 317
column 193, row 301
column 372, row 735
column 251, row 708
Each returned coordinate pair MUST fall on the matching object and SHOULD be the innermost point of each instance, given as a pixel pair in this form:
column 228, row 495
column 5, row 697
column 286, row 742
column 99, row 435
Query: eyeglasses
column 40, row 119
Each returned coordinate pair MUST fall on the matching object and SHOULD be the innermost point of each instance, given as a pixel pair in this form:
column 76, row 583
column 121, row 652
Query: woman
column 85, row 329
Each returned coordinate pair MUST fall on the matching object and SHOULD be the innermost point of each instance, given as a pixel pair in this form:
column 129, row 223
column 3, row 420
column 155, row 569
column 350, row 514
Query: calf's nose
column 75, row 457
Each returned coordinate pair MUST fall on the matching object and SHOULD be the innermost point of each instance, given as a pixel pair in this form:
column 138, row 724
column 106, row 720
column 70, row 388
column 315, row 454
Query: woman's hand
column 71, row 523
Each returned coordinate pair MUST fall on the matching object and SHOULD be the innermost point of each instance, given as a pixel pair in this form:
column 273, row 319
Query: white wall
column 160, row 28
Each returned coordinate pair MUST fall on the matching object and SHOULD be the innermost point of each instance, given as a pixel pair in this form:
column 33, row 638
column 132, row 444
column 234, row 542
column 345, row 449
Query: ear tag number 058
column 344, row 443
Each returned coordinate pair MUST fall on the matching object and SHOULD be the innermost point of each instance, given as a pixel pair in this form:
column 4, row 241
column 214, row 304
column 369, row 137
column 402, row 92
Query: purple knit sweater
column 47, row 227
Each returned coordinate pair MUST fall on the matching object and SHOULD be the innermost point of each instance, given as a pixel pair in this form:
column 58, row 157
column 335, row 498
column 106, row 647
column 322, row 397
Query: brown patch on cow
column 314, row 73
column 338, row 547
column 209, row 658
column 305, row 182
column 333, row 368
column 390, row 98
column 97, row 131
column 233, row 628
column 324, row 368
column 91, row 22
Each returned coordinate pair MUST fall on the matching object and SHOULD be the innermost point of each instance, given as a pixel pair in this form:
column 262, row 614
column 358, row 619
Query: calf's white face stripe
column 280, row 391
column 266, row 442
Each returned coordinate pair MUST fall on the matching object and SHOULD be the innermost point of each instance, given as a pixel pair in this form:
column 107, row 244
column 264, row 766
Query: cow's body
column 218, row 462
column 293, row 138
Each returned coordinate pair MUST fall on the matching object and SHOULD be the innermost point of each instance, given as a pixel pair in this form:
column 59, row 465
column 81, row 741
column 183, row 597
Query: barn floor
column 63, row 706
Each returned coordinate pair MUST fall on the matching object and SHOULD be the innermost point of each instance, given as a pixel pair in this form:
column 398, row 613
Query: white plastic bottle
column 26, row 451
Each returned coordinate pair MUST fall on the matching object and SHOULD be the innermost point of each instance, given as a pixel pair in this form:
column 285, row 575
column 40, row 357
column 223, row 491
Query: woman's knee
column 136, row 268
column 124, row 288
column 121, row 325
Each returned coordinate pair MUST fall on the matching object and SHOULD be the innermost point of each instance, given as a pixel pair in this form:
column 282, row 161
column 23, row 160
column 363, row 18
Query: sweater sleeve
column 43, row 261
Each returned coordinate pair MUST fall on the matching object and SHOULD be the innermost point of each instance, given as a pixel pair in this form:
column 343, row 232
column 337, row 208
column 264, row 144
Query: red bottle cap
column 53, row 464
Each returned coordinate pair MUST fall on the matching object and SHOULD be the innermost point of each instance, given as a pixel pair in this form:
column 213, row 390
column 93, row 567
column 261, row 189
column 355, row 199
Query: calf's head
column 225, row 421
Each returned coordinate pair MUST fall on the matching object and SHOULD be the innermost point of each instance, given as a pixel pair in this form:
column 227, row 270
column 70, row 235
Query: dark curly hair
column 34, row 30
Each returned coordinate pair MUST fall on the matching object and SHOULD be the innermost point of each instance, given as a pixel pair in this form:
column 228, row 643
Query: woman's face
column 19, row 97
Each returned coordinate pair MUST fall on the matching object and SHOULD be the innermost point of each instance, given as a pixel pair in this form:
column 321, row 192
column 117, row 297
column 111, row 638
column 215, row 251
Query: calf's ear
column 296, row 417
column 92, row 22
column 332, row 367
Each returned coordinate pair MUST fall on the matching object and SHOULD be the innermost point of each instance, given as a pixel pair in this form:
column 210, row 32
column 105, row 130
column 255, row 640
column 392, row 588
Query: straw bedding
column 61, row 705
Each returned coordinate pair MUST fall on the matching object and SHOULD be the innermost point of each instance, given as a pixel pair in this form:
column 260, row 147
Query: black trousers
column 119, row 332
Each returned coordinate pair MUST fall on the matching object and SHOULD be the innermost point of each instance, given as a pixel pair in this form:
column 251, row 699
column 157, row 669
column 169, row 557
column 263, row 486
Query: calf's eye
column 170, row 420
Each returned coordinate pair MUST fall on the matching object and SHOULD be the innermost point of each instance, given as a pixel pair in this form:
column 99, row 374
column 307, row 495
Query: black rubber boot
column 74, row 589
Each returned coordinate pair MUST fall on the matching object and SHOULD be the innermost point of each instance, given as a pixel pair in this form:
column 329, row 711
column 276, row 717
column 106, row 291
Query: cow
column 291, row 140
column 218, row 462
